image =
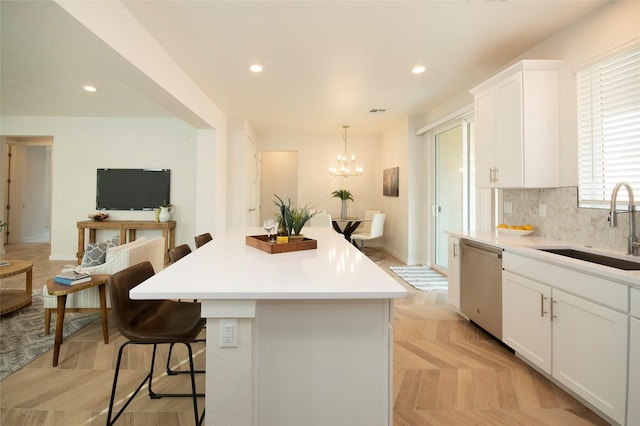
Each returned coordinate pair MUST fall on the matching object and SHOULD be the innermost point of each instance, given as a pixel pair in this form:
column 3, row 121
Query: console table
column 126, row 227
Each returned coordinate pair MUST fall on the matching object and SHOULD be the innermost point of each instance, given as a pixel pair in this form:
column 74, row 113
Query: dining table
column 347, row 225
column 296, row 337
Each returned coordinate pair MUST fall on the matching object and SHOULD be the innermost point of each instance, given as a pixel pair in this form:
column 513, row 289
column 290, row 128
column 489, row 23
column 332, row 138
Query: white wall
column 81, row 145
column 316, row 153
column 394, row 152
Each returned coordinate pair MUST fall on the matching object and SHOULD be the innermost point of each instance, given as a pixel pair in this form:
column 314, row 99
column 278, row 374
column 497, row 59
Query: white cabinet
column 516, row 115
column 526, row 325
column 590, row 352
column 551, row 319
column 454, row 272
column 633, row 398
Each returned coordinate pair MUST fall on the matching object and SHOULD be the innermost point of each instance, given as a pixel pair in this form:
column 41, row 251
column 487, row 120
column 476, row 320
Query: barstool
column 152, row 322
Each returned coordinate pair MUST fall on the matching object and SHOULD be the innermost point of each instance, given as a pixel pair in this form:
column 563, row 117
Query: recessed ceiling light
column 256, row 68
column 418, row 69
column 90, row 88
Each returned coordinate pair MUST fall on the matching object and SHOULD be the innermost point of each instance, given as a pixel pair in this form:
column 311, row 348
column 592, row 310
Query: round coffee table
column 11, row 300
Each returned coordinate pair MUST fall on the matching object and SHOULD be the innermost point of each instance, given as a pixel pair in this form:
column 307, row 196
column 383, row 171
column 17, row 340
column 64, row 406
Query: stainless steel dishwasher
column 481, row 285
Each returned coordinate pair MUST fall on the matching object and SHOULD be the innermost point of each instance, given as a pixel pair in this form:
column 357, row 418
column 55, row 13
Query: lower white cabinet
column 526, row 325
column 580, row 343
column 633, row 398
column 590, row 352
column 454, row 271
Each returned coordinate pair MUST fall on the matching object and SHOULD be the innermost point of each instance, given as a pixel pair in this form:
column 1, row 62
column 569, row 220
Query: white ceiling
column 325, row 63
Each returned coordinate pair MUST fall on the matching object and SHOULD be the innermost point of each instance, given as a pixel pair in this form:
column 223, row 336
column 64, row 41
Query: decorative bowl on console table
column 98, row 216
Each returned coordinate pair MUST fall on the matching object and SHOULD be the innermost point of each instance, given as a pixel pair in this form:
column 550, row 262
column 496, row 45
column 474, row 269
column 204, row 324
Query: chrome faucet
column 613, row 219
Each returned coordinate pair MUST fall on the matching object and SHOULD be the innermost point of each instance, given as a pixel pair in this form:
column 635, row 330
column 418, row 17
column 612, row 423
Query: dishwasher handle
column 481, row 249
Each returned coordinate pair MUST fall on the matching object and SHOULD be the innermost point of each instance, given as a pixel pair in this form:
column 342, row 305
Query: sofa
column 117, row 258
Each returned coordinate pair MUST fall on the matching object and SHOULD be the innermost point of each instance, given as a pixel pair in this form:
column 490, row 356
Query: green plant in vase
column 345, row 195
column 299, row 217
column 291, row 220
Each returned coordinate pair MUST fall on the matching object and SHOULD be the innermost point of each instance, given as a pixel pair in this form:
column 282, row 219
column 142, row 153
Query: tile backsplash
column 564, row 220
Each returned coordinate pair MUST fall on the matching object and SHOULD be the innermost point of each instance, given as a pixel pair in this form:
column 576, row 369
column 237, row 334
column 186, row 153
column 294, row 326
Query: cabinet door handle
column 455, row 252
column 552, row 314
column 542, row 299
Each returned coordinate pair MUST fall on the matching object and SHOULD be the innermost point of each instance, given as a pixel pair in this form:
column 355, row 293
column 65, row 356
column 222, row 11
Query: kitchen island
column 306, row 336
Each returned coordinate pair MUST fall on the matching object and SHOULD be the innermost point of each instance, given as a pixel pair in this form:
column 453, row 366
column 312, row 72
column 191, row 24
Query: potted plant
column 291, row 219
column 299, row 217
column 345, row 195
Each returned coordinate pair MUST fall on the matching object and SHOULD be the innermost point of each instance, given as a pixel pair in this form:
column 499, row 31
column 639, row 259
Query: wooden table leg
column 62, row 301
column 29, row 284
column 80, row 252
column 103, row 311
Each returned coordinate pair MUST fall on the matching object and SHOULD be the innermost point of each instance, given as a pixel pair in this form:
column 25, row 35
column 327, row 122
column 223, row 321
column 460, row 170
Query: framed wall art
column 390, row 182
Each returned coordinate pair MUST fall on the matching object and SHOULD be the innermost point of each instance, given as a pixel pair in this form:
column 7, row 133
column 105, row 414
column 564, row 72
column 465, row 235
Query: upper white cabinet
column 516, row 115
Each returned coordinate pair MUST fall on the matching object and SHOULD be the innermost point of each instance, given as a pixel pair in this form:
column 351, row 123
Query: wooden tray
column 260, row 242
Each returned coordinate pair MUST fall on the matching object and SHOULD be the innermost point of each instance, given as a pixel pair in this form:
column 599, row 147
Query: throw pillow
column 96, row 253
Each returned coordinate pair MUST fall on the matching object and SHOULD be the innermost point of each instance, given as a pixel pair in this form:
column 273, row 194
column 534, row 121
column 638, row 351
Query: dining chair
column 376, row 231
column 202, row 239
column 365, row 226
column 151, row 322
column 321, row 220
column 179, row 252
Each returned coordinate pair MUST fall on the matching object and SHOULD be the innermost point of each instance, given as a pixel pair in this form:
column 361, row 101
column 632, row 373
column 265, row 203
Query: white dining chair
column 365, row 226
column 320, row 220
column 376, row 231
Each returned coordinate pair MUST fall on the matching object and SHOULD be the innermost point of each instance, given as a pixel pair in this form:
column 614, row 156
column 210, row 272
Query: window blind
column 609, row 128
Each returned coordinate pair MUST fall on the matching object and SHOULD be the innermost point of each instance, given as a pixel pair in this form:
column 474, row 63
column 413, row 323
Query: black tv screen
column 132, row 189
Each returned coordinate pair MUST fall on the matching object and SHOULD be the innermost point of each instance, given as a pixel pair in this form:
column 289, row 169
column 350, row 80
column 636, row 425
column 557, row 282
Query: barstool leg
column 111, row 421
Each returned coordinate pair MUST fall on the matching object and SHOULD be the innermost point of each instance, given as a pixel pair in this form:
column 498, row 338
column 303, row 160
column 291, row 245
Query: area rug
column 422, row 277
column 22, row 337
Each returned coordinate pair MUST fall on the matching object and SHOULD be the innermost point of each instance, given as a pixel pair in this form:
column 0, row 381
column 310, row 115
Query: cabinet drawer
column 596, row 289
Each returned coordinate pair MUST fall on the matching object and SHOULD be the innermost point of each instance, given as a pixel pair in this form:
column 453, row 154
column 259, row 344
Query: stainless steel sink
column 612, row 262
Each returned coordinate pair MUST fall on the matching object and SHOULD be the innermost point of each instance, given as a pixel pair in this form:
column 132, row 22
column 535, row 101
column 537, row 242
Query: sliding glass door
column 452, row 209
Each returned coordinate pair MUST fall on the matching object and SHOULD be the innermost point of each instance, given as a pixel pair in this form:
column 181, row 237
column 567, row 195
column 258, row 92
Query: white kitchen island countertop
column 311, row 331
column 227, row 268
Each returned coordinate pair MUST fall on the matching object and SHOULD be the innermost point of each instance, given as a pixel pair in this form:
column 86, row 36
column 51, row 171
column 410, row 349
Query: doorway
column 278, row 175
column 26, row 173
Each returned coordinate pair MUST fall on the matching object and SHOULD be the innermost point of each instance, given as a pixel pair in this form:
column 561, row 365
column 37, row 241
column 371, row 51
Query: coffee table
column 11, row 300
column 61, row 291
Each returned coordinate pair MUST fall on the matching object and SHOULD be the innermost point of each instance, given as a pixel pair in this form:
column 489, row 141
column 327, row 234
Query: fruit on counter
column 526, row 227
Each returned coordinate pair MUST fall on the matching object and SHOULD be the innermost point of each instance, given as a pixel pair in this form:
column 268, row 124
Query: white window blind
column 609, row 128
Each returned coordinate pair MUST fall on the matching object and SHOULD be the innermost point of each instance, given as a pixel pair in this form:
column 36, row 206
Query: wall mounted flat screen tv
column 132, row 189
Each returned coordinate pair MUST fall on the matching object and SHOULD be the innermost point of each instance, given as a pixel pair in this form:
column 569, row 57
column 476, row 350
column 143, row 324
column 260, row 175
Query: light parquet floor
column 446, row 372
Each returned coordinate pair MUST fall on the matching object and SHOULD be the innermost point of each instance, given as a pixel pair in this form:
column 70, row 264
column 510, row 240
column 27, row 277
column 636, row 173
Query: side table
column 61, row 291
column 12, row 300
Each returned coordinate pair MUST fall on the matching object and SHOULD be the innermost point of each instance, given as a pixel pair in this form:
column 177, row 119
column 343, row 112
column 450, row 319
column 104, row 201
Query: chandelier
column 346, row 167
